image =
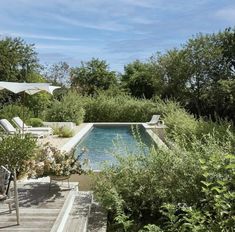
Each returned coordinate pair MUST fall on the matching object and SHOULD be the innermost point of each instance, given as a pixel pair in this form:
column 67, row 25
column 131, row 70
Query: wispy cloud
column 227, row 14
column 37, row 36
column 109, row 25
column 68, row 48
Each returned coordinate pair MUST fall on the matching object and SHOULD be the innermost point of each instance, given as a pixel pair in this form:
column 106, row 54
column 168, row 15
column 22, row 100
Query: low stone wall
column 70, row 125
column 85, row 181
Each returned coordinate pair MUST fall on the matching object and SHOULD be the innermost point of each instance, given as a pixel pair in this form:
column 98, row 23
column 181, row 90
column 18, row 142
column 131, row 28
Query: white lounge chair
column 21, row 125
column 8, row 128
column 155, row 120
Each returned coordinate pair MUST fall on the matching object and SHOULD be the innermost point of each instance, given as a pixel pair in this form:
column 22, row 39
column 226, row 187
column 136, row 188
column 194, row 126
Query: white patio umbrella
column 29, row 88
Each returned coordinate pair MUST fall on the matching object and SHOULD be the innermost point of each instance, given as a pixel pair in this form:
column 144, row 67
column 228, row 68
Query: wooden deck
column 39, row 208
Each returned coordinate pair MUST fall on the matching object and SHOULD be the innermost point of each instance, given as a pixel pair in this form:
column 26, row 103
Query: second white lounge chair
column 155, row 120
column 21, row 125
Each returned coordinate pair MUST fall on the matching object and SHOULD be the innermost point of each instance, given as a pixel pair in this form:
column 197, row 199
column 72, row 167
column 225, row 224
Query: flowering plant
column 52, row 162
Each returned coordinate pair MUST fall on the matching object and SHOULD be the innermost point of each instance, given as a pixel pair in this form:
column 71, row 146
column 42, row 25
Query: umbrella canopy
column 30, row 88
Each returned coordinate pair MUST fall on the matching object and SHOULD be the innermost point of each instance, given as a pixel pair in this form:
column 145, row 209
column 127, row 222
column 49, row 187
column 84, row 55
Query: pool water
column 101, row 142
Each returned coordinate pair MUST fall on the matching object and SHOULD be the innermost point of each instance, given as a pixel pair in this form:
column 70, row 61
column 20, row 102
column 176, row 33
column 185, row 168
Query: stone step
column 79, row 214
column 98, row 219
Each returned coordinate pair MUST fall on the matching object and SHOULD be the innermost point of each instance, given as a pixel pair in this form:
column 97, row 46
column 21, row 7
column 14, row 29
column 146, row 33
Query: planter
column 59, row 178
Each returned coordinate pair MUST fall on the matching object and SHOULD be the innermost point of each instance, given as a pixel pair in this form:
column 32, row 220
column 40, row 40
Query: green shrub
column 16, row 151
column 69, row 109
column 10, row 111
column 138, row 186
column 63, row 132
column 118, row 108
column 215, row 212
column 35, row 122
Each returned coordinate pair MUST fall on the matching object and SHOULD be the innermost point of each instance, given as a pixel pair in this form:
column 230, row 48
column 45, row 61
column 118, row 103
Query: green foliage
column 63, row 132
column 39, row 102
column 119, row 108
column 16, row 58
column 92, row 76
column 140, row 79
column 16, row 151
column 200, row 75
column 17, row 61
column 215, row 212
column 69, row 109
column 35, row 122
column 142, row 190
column 12, row 110
column 58, row 73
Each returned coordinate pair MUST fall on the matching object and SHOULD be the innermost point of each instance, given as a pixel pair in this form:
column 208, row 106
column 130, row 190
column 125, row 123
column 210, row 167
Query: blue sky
column 118, row 31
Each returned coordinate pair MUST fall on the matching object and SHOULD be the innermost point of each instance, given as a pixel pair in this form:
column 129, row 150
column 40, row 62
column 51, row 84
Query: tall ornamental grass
column 119, row 108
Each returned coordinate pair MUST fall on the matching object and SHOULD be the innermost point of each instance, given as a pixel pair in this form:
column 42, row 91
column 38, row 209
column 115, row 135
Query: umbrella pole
column 23, row 111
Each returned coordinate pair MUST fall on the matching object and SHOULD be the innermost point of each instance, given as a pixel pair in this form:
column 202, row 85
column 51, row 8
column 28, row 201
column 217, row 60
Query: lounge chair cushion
column 6, row 125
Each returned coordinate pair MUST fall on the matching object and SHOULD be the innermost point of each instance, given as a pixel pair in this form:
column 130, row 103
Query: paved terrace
column 39, row 208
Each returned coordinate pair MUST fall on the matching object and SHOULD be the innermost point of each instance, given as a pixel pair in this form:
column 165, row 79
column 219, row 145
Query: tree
column 18, row 62
column 17, row 59
column 140, row 79
column 228, row 44
column 173, row 73
column 92, row 76
column 204, row 54
column 58, row 73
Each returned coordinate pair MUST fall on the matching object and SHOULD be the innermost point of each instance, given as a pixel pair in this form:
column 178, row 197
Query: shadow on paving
column 38, row 194
column 34, row 195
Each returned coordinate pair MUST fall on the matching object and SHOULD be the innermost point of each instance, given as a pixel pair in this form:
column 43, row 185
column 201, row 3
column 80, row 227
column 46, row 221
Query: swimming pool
column 102, row 141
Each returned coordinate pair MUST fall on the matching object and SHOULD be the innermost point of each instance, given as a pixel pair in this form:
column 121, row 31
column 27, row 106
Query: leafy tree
column 204, row 58
column 58, row 73
column 173, row 72
column 16, row 59
column 228, row 45
column 19, row 63
column 139, row 79
column 92, row 76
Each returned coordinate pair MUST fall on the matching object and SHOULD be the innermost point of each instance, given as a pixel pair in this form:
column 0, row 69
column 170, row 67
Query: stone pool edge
column 67, row 147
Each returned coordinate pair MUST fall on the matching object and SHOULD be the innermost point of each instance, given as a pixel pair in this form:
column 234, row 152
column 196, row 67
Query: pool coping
column 67, row 147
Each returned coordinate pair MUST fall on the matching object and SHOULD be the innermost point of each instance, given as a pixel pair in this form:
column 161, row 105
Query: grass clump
column 63, row 132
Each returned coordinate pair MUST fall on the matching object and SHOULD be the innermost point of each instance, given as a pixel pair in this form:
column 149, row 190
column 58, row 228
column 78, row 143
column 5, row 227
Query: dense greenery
column 189, row 187
column 119, row 108
column 92, row 76
column 199, row 75
column 69, row 109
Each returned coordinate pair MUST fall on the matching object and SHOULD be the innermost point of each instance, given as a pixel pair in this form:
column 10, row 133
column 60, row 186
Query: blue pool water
column 101, row 142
